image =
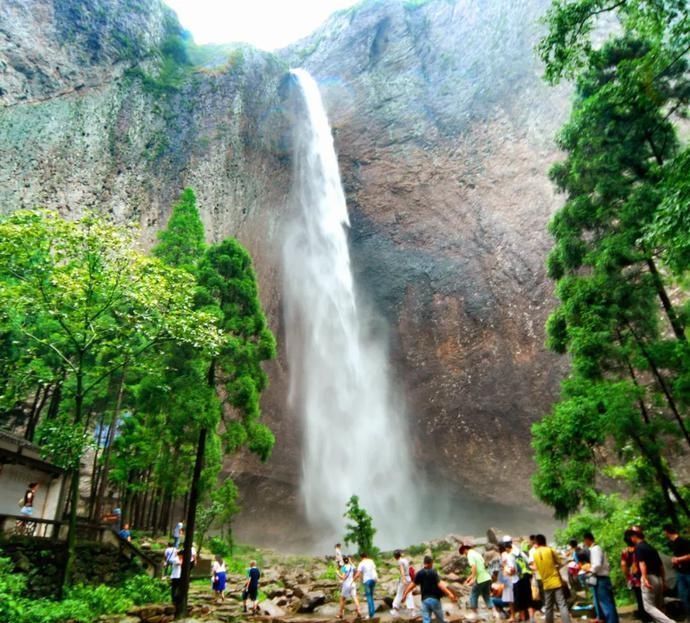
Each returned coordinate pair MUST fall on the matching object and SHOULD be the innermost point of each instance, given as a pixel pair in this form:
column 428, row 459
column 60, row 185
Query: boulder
column 311, row 601
column 271, row 609
column 328, row 610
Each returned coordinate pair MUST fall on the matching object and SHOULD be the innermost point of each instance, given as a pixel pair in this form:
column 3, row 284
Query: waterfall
column 354, row 425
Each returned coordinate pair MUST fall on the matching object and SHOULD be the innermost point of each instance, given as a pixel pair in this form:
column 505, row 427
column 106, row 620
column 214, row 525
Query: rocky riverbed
column 304, row 590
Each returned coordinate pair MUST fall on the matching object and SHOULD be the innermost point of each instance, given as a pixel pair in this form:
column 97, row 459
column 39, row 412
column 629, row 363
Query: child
column 251, row 587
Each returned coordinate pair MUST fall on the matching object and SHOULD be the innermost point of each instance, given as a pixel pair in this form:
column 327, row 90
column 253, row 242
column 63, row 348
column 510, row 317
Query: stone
column 311, row 601
column 271, row 609
column 328, row 610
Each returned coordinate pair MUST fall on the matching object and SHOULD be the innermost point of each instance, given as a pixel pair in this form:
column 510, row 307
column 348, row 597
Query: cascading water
column 355, row 438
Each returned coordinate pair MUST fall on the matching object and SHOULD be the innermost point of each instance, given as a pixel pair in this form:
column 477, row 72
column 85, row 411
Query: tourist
column 178, row 531
column 366, row 571
column 536, row 576
column 168, row 555
column 433, row 589
column 125, row 534
column 522, row 589
column 218, row 575
column 547, row 564
column 175, row 574
column 497, row 602
column 681, row 563
column 508, row 574
column 338, row 555
column 348, row 589
column 404, row 580
column 652, row 576
column 600, row 580
column 631, row 572
column 479, row 578
column 251, row 588
column 27, row 502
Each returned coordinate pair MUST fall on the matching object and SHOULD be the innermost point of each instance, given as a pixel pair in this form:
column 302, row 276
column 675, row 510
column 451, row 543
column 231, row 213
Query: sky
column 266, row 24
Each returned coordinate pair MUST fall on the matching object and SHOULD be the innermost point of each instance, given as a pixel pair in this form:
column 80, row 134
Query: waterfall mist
column 354, row 428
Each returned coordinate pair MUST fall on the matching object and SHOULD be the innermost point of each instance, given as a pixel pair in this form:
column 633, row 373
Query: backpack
column 522, row 566
column 412, row 573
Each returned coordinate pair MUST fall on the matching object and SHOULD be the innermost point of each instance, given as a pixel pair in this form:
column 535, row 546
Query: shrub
column 220, row 547
column 142, row 589
column 82, row 604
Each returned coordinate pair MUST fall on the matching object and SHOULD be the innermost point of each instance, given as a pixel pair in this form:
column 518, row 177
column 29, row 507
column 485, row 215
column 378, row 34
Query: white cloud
column 267, row 24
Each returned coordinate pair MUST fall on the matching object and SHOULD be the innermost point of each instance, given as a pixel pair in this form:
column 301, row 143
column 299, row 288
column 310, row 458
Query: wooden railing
column 25, row 526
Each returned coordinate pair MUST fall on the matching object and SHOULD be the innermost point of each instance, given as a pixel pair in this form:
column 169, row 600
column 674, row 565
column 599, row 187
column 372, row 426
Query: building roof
column 16, row 453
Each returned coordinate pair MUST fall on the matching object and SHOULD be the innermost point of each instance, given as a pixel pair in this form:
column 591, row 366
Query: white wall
column 13, row 482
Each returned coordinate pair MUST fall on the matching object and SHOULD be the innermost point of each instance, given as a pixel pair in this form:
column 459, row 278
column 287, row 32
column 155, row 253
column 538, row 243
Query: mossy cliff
column 444, row 133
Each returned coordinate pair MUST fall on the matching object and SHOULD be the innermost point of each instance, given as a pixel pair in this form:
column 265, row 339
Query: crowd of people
column 519, row 577
column 515, row 578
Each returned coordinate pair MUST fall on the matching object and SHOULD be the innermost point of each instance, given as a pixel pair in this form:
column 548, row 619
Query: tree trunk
column 36, row 408
column 105, row 471
column 72, row 532
column 183, row 592
column 663, row 385
column 671, row 314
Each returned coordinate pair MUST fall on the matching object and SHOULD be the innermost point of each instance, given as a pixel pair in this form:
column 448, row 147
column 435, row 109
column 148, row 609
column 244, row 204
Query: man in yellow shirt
column 548, row 564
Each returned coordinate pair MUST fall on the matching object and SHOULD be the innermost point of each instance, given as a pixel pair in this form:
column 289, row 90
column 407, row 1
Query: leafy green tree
column 232, row 380
column 80, row 291
column 360, row 529
column 625, row 178
column 182, row 243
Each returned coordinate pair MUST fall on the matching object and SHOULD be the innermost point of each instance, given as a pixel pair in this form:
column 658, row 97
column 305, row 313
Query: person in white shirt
column 403, row 582
column 168, row 555
column 175, row 574
column 218, row 576
column 508, row 575
column 366, row 571
column 600, row 579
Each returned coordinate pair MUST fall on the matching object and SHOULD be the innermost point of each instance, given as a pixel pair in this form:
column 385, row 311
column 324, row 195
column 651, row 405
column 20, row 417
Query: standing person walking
column 681, row 563
column 404, row 580
column 479, row 578
column 348, row 588
column 433, row 589
column 366, row 571
column 251, row 588
column 218, row 577
column 631, row 573
column 175, row 574
column 600, row 580
column 547, row 564
column 178, row 531
column 168, row 555
column 652, row 576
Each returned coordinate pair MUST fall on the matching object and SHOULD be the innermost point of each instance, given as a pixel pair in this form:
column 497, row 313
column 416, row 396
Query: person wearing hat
column 479, row 578
column 509, row 574
column 652, row 573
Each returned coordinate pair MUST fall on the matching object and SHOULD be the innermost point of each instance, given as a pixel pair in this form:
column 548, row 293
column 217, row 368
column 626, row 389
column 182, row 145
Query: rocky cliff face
column 443, row 129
